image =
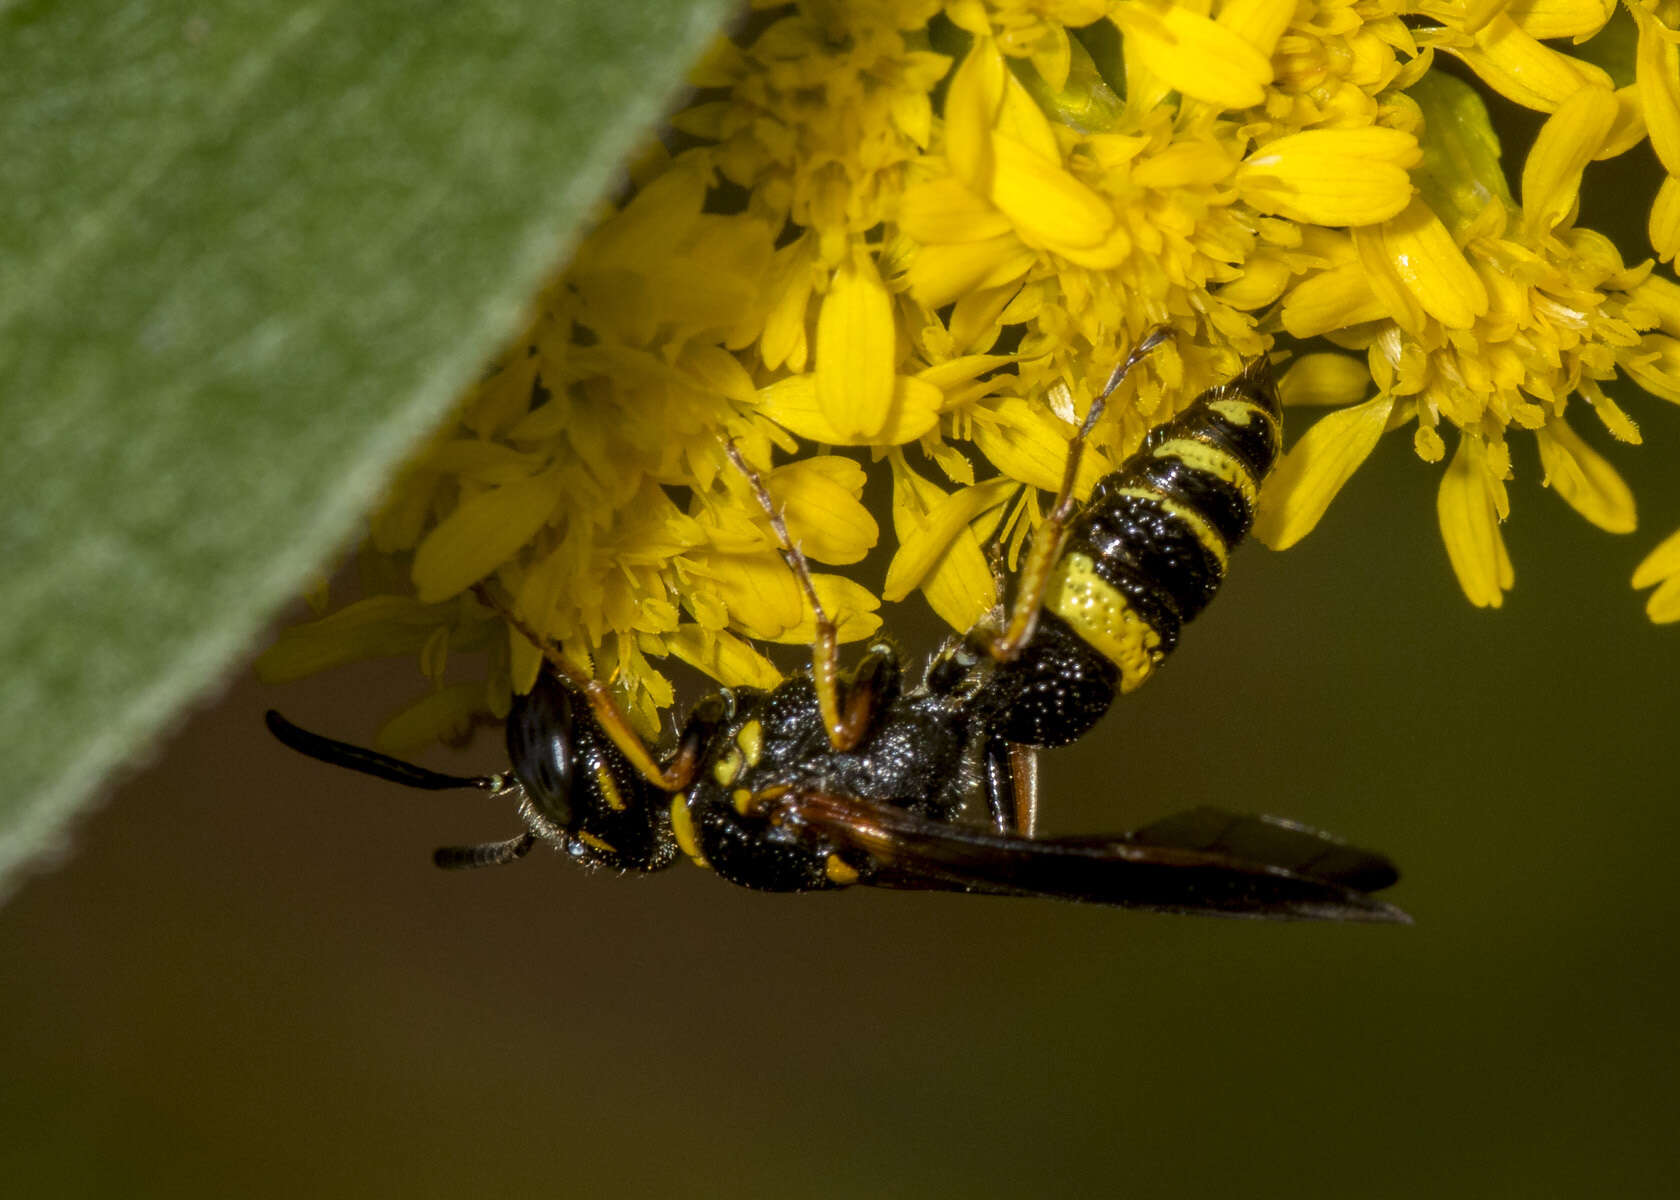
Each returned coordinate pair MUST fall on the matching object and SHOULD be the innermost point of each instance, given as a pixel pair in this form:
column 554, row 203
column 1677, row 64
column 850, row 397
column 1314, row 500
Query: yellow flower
column 924, row 232
column 1479, row 313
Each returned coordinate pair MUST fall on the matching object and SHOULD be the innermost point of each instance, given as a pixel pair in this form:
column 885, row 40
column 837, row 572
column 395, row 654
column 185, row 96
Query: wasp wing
column 1202, row 861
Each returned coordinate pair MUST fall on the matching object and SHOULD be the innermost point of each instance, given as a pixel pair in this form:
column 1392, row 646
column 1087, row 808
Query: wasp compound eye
column 542, row 748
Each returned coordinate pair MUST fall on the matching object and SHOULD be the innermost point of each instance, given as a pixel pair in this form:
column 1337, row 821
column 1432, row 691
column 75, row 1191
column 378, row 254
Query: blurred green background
column 247, row 979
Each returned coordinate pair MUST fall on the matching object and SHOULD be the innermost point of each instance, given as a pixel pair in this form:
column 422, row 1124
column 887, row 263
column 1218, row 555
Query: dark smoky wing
column 905, row 851
column 1296, row 848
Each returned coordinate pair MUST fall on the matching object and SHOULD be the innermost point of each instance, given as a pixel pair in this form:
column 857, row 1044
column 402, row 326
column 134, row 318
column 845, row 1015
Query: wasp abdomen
column 1149, row 549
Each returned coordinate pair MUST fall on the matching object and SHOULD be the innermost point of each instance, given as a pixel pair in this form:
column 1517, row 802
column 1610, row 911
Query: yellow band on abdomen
column 1211, row 460
column 1100, row 614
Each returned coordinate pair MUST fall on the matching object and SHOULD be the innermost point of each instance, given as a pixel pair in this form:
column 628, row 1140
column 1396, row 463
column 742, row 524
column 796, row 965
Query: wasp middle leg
column 848, row 707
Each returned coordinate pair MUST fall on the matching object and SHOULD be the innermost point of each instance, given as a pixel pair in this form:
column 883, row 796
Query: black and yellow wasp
column 829, row 779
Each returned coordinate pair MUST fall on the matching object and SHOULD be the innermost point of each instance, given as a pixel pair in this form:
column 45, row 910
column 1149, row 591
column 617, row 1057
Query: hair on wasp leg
column 834, row 778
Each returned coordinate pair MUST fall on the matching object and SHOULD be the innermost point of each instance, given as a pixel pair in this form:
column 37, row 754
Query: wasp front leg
column 671, row 776
column 848, row 707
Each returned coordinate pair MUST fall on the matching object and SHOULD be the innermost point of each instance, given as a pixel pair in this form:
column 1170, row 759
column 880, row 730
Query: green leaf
column 248, row 255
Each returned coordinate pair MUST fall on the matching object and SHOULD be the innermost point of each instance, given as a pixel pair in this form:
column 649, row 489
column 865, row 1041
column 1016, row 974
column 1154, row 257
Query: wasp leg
column 1011, row 786
column 613, row 720
column 486, row 854
column 846, row 718
column 1047, row 542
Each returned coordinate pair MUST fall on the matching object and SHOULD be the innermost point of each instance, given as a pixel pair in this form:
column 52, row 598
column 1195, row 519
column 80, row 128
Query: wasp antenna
column 485, row 854
column 371, row 762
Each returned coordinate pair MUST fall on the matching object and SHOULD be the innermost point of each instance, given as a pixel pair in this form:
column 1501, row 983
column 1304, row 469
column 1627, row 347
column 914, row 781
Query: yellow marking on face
column 1100, row 614
column 609, row 789
column 727, row 766
column 1206, row 534
column 743, row 800
column 682, row 824
column 840, row 871
column 751, row 741
column 589, row 839
column 1211, row 460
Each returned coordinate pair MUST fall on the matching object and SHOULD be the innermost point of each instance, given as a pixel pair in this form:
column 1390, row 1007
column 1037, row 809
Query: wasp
column 832, row 779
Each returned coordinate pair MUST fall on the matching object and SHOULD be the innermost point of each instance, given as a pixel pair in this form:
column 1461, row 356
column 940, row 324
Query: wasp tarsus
column 834, row 779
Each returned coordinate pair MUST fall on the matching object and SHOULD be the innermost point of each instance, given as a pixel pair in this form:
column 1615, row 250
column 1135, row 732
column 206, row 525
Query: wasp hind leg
column 1034, row 579
column 1011, row 786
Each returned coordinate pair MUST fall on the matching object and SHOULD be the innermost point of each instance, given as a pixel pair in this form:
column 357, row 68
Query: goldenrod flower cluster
column 915, row 235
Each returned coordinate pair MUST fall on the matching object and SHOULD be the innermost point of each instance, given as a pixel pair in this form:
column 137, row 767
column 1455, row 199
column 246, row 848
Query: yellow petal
column 946, row 210
column 1522, row 70
column 1415, row 254
column 1470, row 527
column 847, row 603
column 1663, row 297
column 1258, row 22
column 1331, row 176
column 930, row 536
column 723, row 656
column 444, row 715
column 1568, row 141
column 1628, row 129
column 1664, row 605
column 1028, row 444
column 1022, row 120
column 1324, row 379
column 380, row 626
column 856, row 351
column 1583, row 477
column 1262, row 281
column 1665, row 220
column 1194, row 54
column 1657, row 62
column 1662, row 563
column 484, row 532
column 792, row 404
column 971, row 108
column 758, row 590
column 941, row 274
column 819, row 498
column 1656, row 366
column 792, row 279
column 1315, row 469
column 960, row 587
column 1578, row 19
column 1043, row 201
column 1335, row 299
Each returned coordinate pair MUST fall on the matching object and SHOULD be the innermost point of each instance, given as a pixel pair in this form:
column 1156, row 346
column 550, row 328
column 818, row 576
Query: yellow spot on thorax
column 1100, row 614
column 609, row 790
column 751, row 741
column 682, row 824
column 589, row 839
column 1211, row 460
column 742, row 798
column 727, row 766
column 840, row 871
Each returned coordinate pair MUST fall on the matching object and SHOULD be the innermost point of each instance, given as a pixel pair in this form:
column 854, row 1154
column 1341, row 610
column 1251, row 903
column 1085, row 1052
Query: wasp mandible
column 832, row 779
